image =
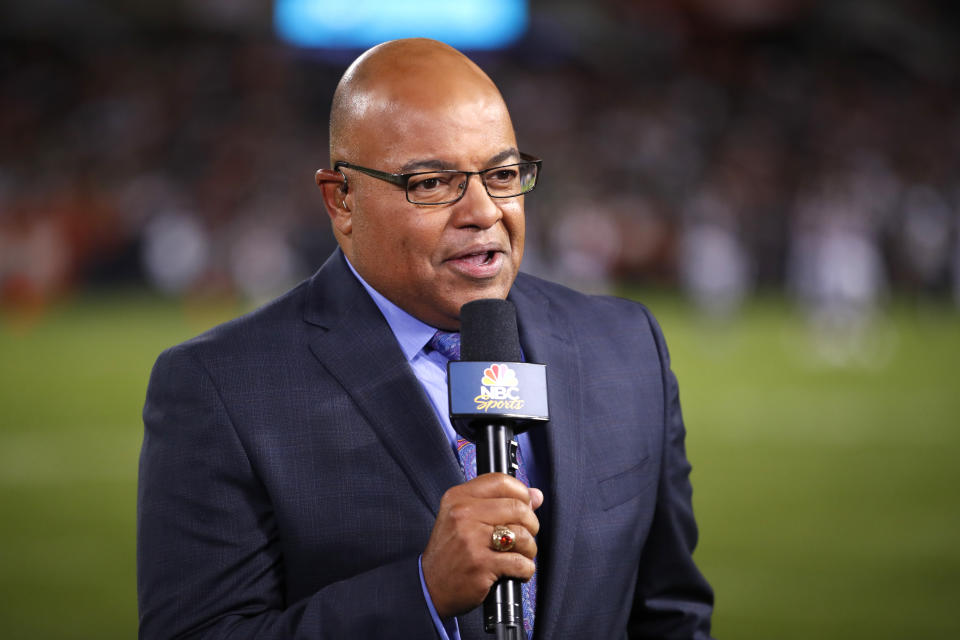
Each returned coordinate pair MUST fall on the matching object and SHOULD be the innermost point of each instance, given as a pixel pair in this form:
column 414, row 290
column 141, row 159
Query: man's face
column 430, row 260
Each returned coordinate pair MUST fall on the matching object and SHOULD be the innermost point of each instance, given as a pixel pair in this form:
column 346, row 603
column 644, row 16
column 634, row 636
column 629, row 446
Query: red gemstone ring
column 503, row 538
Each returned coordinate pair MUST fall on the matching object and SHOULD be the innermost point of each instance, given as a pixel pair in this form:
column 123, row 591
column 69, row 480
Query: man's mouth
column 478, row 264
column 479, row 258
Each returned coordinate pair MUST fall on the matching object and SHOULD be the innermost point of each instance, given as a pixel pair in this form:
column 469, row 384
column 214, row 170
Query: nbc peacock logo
column 499, row 389
column 498, row 375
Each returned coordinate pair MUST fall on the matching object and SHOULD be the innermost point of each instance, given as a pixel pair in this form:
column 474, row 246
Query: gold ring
column 503, row 538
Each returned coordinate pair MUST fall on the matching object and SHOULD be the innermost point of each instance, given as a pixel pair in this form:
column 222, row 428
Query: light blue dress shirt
column 430, row 368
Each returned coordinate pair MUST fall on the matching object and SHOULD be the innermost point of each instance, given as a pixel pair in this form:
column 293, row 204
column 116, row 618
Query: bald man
column 299, row 475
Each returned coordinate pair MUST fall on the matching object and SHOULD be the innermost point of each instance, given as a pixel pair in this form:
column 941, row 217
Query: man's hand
column 459, row 563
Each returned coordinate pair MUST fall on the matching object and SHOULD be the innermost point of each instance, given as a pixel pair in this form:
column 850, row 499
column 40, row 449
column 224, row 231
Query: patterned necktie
column 447, row 344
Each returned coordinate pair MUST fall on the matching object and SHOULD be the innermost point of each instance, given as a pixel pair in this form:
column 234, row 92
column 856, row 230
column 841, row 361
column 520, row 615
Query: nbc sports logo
column 504, row 389
column 499, row 382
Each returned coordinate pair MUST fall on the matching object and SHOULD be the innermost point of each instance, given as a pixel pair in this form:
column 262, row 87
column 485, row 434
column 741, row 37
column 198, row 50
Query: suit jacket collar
column 355, row 344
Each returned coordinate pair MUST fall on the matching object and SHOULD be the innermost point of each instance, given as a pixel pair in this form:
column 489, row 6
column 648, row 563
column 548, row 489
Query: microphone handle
column 502, row 608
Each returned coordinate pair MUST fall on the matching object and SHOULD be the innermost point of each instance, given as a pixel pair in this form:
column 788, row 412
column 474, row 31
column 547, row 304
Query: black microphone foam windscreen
column 488, row 331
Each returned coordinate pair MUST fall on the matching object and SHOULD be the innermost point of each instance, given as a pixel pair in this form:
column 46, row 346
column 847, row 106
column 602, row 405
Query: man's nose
column 476, row 207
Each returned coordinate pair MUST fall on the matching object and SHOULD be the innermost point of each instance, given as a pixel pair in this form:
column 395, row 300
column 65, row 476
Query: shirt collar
column 412, row 334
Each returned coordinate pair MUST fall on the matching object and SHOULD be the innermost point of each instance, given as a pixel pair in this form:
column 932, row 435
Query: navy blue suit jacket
column 292, row 468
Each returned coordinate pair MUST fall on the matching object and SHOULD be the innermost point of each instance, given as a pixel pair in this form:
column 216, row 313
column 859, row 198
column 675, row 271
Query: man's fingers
column 512, row 565
column 536, row 497
column 496, row 485
column 508, row 510
column 493, row 512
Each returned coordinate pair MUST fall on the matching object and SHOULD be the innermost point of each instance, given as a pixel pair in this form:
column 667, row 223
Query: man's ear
column 335, row 193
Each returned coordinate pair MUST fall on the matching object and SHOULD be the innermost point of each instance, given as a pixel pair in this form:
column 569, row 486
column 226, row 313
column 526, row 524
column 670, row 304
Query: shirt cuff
column 448, row 630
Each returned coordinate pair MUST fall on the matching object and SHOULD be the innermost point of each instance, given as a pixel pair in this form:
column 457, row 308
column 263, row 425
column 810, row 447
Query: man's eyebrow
column 503, row 156
column 425, row 165
column 435, row 164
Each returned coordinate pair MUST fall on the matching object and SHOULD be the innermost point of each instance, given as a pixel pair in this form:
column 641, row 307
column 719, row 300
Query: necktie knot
column 446, row 343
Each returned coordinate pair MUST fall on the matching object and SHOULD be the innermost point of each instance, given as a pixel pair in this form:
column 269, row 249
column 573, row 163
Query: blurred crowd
column 185, row 166
column 722, row 166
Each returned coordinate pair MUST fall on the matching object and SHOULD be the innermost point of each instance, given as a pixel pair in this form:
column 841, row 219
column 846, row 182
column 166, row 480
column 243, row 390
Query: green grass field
column 827, row 496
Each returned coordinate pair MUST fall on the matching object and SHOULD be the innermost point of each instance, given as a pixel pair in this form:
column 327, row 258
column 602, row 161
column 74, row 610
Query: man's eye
column 503, row 175
column 427, row 183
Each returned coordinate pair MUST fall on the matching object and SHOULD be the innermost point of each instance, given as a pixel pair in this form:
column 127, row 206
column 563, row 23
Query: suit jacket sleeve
column 209, row 558
column 672, row 599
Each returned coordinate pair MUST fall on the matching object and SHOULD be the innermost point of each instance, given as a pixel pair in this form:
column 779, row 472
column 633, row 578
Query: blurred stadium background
column 777, row 179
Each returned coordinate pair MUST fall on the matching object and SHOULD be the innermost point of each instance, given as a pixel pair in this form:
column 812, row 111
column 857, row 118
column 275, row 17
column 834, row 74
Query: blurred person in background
column 299, row 475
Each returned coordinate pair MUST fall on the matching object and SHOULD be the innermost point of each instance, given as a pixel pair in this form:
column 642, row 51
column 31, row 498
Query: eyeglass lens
column 446, row 186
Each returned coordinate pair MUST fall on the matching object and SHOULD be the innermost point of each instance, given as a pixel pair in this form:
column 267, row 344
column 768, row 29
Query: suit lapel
column 547, row 339
column 356, row 346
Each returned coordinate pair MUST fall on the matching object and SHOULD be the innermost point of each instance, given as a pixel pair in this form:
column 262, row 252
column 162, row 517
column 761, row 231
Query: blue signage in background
column 358, row 24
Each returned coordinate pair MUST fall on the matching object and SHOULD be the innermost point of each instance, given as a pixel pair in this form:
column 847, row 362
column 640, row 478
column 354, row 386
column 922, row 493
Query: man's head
column 419, row 105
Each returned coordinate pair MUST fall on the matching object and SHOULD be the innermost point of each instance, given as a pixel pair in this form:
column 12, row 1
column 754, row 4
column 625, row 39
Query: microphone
column 494, row 396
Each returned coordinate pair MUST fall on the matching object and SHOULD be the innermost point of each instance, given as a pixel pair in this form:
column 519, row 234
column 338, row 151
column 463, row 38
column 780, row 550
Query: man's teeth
column 479, row 258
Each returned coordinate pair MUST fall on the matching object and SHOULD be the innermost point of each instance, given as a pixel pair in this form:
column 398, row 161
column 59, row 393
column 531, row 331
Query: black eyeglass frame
column 403, row 179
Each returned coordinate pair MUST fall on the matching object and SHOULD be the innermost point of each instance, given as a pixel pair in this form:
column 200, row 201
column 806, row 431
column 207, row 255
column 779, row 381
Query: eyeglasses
column 445, row 186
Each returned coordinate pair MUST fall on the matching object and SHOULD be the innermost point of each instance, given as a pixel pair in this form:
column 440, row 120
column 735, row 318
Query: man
column 299, row 477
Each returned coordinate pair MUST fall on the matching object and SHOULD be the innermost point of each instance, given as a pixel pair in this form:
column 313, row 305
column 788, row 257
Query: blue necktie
column 447, row 344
